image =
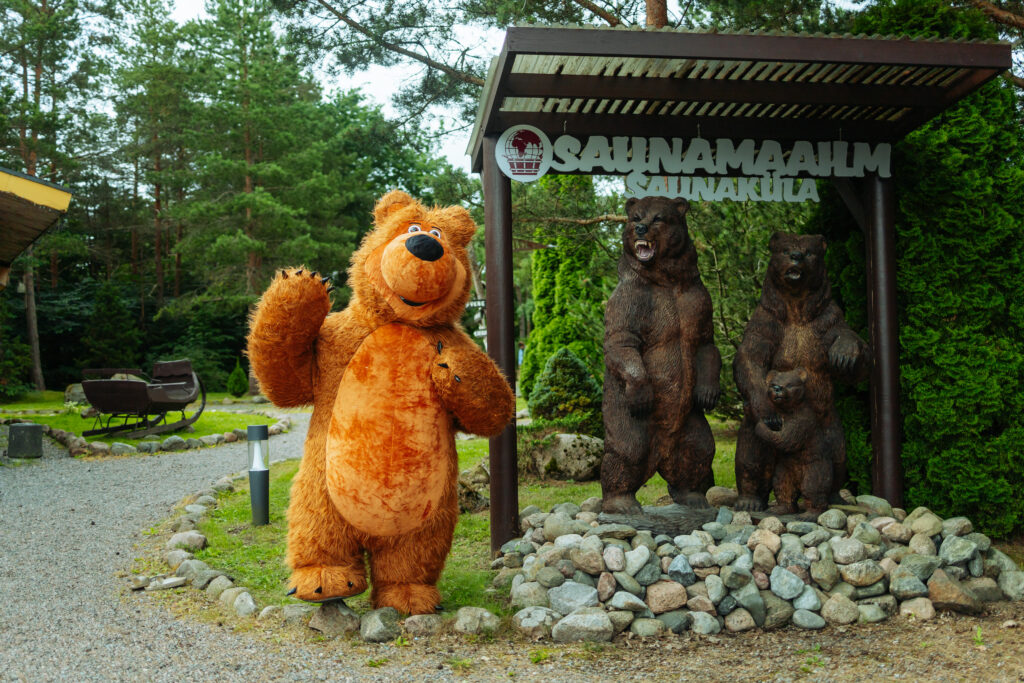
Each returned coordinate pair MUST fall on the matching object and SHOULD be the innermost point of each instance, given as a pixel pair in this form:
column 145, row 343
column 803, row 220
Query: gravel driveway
column 67, row 526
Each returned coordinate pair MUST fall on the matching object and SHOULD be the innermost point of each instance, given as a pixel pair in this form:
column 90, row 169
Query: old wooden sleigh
column 140, row 407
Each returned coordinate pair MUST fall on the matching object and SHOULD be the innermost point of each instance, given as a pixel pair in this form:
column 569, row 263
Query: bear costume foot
column 621, row 504
column 320, row 584
column 749, row 504
column 408, row 598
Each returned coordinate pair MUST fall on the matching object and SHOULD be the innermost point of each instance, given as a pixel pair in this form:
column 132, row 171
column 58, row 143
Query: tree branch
column 606, row 218
column 604, row 14
column 1016, row 80
column 433, row 64
column 999, row 15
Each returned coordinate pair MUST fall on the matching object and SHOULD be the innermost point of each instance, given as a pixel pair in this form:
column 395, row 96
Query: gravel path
column 67, row 527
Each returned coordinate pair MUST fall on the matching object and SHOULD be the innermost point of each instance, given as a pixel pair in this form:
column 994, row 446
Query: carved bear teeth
column 410, row 303
column 794, row 274
column 644, row 250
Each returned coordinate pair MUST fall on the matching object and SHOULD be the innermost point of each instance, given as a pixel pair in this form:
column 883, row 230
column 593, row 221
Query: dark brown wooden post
column 879, row 205
column 501, row 340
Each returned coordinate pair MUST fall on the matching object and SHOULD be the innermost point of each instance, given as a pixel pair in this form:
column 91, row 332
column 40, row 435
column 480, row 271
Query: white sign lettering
column 681, row 167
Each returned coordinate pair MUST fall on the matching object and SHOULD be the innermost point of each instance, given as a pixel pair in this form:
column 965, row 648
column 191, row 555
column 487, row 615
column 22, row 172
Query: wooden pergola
column 28, row 208
column 757, row 86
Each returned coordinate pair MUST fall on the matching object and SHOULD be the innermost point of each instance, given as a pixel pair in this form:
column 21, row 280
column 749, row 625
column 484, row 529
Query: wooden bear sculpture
column 391, row 378
column 661, row 365
column 796, row 325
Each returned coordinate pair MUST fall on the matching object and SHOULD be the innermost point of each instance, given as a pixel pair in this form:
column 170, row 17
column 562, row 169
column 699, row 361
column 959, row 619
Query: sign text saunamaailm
column 695, row 168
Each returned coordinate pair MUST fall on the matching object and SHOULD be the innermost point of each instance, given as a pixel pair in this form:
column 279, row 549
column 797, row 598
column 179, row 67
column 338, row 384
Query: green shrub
column 238, row 381
column 960, row 276
column 566, row 389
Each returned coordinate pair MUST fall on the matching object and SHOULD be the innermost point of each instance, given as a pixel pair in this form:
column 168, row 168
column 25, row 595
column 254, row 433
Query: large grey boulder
column 570, row 456
column 591, row 625
column 475, row 620
column 334, row 619
column 571, row 596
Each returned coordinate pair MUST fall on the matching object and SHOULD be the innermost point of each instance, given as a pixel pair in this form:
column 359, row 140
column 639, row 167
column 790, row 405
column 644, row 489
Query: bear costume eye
column 435, row 232
column 414, row 228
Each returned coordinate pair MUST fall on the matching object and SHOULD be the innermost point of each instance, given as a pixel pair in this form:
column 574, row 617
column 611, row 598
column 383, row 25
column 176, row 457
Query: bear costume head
column 656, row 231
column 786, row 389
column 413, row 267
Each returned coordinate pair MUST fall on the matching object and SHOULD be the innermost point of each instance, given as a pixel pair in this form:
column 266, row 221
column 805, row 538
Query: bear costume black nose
column 640, row 229
column 424, row 247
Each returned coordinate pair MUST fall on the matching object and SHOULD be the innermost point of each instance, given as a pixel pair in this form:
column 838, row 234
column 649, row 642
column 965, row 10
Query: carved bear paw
column 706, row 398
column 639, row 398
column 846, row 350
column 749, row 504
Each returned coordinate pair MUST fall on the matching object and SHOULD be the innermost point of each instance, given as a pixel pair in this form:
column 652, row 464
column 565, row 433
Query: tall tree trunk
column 31, row 323
column 157, row 230
column 252, row 263
column 657, row 13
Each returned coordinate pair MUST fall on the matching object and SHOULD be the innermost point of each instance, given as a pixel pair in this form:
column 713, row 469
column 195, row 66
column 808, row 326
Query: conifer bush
column 238, row 382
column 959, row 181
column 567, row 389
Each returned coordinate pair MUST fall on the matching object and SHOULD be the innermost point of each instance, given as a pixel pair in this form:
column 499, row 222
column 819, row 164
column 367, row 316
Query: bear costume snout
column 423, row 247
column 418, row 268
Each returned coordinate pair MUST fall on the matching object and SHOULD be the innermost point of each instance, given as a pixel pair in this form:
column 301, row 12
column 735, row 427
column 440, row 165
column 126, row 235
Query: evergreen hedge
column 567, row 389
column 238, row 381
column 959, row 184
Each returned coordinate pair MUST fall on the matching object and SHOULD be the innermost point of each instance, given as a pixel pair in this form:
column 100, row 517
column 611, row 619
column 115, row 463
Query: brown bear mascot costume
column 391, row 378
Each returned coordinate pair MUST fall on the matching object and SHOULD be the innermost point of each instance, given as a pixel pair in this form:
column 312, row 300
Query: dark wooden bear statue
column 661, row 365
column 796, row 325
column 803, row 446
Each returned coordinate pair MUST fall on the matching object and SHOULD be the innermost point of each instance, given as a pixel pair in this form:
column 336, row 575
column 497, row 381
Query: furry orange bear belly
column 391, row 447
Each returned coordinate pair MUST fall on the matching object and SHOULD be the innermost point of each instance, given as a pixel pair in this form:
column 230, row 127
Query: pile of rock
column 577, row 579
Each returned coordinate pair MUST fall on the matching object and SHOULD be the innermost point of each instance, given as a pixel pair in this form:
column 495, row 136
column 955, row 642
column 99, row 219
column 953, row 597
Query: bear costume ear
column 457, row 221
column 773, row 243
column 389, row 203
column 630, row 203
column 681, row 205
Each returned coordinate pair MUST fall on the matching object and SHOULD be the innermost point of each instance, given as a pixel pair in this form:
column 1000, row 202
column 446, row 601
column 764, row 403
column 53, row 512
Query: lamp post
column 259, row 474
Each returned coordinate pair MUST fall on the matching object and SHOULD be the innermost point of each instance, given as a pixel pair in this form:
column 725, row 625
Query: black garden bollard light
column 259, row 474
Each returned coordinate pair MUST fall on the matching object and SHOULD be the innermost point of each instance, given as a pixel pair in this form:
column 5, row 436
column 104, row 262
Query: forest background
column 205, row 155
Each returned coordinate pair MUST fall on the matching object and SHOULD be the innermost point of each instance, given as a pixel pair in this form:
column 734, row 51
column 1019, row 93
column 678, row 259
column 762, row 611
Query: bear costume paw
column 319, row 584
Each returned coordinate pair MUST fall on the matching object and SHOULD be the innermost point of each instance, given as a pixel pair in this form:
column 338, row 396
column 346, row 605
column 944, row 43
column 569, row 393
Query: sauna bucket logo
column 523, row 153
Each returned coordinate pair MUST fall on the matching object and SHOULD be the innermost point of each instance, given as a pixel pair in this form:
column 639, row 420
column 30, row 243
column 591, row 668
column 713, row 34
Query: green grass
column 35, row 400
column 210, row 422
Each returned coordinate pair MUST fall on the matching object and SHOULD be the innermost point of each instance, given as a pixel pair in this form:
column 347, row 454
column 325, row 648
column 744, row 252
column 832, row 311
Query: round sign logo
column 523, row 153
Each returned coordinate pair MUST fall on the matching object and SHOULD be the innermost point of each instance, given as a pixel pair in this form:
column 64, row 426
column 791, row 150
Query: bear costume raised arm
column 661, row 365
column 391, row 379
column 796, row 325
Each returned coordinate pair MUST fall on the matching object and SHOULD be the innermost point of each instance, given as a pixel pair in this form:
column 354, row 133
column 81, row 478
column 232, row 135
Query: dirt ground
column 949, row 647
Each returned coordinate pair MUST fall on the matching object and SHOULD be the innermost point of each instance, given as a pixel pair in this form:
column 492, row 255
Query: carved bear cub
column 661, row 365
column 803, row 464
